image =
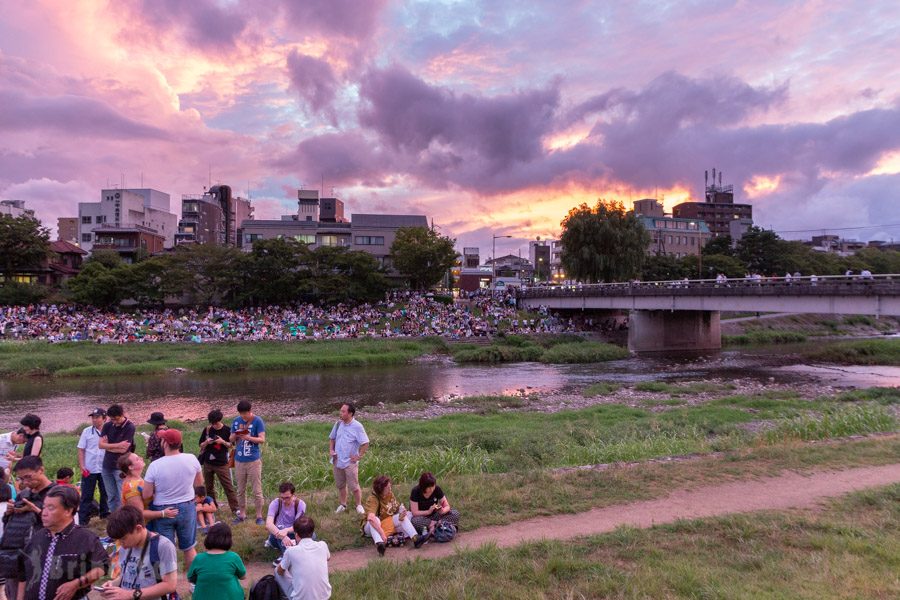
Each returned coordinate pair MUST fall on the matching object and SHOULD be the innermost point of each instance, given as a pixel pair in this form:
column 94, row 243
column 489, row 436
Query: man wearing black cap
column 154, row 444
column 90, row 460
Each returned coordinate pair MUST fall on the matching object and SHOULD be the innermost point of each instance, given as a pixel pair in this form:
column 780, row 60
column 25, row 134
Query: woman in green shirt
column 216, row 572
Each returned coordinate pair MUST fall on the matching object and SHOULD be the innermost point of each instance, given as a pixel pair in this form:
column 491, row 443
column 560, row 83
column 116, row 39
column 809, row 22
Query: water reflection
column 64, row 403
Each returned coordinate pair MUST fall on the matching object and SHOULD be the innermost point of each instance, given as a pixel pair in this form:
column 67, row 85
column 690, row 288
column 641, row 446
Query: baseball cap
column 97, row 412
column 170, row 436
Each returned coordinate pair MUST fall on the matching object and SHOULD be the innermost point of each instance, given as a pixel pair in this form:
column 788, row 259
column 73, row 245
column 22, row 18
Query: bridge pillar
column 667, row 330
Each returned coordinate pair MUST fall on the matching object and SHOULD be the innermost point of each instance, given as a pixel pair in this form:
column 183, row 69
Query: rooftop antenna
column 720, row 178
column 705, row 179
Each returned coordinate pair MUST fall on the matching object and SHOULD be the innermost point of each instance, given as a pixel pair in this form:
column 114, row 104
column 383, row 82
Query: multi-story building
column 67, row 230
column 471, row 258
column 670, row 236
column 718, row 210
column 132, row 211
column 546, row 256
column 321, row 222
column 213, row 217
column 15, row 208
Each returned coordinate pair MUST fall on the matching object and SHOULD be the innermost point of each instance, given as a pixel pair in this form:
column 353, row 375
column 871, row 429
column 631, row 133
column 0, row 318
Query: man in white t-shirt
column 8, row 443
column 303, row 571
column 170, row 483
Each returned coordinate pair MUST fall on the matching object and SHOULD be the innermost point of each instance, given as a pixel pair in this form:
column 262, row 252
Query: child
column 64, row 477
column 216, row 572
column 206, row 508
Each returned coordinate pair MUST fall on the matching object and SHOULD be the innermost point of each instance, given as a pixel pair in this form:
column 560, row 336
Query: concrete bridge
column 675, row 315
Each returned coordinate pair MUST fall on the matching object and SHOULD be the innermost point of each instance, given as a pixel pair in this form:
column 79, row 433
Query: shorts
column 348, row 476
column 184, row 526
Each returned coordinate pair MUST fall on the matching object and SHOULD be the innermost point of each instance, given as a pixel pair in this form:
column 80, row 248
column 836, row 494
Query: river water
column 64, row 403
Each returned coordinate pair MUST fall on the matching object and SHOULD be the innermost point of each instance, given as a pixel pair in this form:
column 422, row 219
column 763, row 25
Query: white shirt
column 173, row 478
column 93, row 455
column 307, row 562
column 6, row 446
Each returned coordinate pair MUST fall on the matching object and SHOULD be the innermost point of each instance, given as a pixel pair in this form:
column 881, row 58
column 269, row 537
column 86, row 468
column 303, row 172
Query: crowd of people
column 158, row 504
column 401, row 314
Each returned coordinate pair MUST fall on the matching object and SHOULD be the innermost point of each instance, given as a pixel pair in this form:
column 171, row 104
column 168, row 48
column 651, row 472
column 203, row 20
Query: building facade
column 718, row 210
column 670, row 236
column 15, row 208
column 213, row 217
column 134, row 210
column 67, row 230
column 546, row 257
column 371, row 233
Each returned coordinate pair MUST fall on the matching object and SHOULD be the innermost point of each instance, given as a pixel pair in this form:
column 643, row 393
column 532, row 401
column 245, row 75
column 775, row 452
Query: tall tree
column 719, row 245
column 761, row 250
column 422, row 256
column 24, row 244
column 603, row 243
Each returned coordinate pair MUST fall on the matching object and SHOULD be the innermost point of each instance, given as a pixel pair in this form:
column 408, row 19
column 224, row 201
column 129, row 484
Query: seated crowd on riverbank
column 157, row 507
column 402, row 314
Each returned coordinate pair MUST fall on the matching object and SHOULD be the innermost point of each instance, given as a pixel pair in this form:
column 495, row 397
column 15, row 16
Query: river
column 64, row 403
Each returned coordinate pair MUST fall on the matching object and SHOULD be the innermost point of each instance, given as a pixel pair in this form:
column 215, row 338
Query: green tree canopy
column 603, row 243
column 422, row 256
column 719, row 245
column 24, row 244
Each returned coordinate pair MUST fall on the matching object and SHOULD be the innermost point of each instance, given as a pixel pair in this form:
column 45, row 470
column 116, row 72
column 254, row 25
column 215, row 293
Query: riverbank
column 505, row 465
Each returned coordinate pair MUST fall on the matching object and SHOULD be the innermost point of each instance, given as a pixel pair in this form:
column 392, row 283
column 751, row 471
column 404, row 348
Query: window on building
column 306, row 238
column 331, row 240
column 99, row 219
column 249, row 238
column 668, row 239
column 86, row 237
column 370, row 240
column 693, row 241
column 85, row 220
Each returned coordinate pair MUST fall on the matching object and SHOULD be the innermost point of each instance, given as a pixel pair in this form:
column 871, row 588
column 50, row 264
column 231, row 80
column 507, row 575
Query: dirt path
column 790, row 490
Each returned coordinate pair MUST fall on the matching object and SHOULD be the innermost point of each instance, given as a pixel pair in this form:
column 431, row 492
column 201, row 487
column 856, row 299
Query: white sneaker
column 360, row 509
column 341, row 508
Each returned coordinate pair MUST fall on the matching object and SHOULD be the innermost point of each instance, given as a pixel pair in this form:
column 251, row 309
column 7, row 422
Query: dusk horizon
column 490, row 118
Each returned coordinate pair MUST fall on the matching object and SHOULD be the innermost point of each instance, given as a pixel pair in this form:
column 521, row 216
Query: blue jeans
column 113, row 484
column 184, row 525
column 87, row 497
column 274, row 542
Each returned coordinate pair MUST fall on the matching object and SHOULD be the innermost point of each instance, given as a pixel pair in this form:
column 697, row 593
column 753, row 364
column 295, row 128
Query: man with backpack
column 23, row 517
column 148, row 561
column 283, row 511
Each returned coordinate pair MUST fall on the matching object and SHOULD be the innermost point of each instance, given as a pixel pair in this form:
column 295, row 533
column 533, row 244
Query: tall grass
column 549, row 349
column 859, row 352
column 752, row 338
column 835, row 422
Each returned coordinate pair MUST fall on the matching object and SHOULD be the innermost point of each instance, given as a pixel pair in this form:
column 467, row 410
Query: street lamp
column 494, row 258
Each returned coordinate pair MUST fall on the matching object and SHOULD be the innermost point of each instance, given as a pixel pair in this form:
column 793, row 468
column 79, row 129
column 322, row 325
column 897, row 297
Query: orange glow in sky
column 888, row 164
column 761, row 185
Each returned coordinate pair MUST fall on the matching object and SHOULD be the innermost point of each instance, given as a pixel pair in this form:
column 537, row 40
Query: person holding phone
column 63, row 559
column 148, row 562
column 248, row 432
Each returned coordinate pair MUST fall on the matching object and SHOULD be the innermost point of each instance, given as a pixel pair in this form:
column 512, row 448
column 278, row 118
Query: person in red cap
column 169, row 483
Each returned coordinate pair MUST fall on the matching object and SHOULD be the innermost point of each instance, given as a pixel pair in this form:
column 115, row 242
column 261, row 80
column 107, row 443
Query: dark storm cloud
column 338, row 157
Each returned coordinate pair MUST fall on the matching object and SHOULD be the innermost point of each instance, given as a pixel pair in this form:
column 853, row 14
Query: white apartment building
column 123, row 209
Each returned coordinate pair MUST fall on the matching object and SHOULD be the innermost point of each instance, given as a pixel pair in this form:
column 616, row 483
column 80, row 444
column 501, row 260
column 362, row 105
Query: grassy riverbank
column 849, row 550
column 481, row 458
column 859, row 352
column 86, row 359
column 557, row 349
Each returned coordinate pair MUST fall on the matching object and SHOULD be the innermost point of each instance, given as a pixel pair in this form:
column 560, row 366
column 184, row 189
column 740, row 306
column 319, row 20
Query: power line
column 840, row 228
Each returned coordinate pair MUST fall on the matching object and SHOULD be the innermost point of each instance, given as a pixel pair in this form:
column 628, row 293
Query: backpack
column 152, row 548
column 267, row 589
column 444, row 532
column 278, row 510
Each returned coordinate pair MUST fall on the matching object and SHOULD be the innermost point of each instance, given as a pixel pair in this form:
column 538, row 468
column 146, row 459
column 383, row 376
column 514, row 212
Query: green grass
column 601, row 389
column 882, row 395
column 758, row 337
column 681, row 389
column 860, row 352
column 85, row 359
column 563, row 348
column 851, row 550
column 835, row 422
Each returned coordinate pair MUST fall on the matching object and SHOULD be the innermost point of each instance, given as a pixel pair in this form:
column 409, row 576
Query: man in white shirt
column 8, row 443
column 90, row 460
column 170, row 483
column 303, row 571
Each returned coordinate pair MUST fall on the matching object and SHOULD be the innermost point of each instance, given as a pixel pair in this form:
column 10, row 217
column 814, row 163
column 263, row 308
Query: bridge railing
column 823, row 285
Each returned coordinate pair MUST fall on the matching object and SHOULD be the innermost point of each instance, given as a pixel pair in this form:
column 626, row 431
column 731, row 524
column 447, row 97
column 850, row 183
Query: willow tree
column 603, row 243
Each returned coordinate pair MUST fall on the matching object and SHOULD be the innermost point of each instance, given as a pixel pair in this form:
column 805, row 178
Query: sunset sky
column 490, row 116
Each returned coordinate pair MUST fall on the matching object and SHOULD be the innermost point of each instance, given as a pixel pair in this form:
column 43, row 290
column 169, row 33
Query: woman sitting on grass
column 429, row 505
column 385, row 515
column 216, row 573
